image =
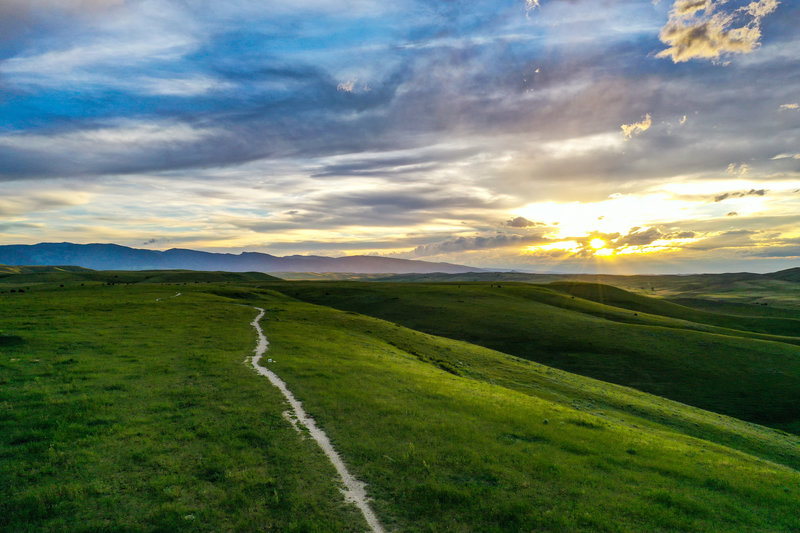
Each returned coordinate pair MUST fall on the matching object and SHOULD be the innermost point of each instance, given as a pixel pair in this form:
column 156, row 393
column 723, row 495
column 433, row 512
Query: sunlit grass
column 118, row 412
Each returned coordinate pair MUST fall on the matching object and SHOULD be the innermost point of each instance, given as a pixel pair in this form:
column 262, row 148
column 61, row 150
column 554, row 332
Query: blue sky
column 618, row 136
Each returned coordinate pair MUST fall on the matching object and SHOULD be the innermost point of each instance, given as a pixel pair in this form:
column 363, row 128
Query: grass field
column 735, row 372
column 121, row 413
column 778, row 289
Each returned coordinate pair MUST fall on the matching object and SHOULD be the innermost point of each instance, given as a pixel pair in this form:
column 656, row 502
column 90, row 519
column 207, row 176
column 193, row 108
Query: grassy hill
column 790, row 274
column 19, row 275
column 7, row 270
column 120, row 412
column 778, row 289
column 615, row 297
column 728, row 371
column 735, row 308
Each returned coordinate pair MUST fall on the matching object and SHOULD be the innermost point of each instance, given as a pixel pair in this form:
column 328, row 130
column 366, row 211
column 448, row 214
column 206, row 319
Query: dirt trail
column 173, row 296
column 354, row 489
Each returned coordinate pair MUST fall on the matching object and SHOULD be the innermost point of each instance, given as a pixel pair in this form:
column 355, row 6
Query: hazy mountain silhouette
column 116, row 257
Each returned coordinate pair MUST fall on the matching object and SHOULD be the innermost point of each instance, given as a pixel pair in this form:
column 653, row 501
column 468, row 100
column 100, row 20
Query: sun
column 597, row 243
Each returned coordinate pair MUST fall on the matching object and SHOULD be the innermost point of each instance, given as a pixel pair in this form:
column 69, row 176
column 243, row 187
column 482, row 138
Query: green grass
column 24, row 275
column 778, row 289
column 461, row 438
column 120, row 413
column 722, row 370
column 615, row 297
column 733, row 308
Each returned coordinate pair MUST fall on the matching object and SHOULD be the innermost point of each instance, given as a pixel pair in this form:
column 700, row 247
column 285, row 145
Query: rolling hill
column 56, row 274
column 123, row 410
column 750, row 375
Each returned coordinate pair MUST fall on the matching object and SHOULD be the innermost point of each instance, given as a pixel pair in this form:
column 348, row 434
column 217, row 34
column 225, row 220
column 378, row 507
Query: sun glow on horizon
column 597, row 244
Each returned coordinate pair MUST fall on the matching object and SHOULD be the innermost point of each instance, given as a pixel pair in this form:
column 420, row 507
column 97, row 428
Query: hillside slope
column 460, row 438
column 613, row 296
column 136, row 414
column 718, row 369
column 19, row 275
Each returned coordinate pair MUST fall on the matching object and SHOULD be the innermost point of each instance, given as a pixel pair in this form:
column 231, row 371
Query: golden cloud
column 697, row 29
column 628, row 130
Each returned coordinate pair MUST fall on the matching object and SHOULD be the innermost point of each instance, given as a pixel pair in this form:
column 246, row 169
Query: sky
column 619, row 136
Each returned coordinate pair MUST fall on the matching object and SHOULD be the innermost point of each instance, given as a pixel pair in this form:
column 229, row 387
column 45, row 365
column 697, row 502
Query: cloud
column 42, row 201
column 134, row 36
column 628, row 130
column 121, row 146
column 779, row 251
column 521, row 222
column 21, row 17
column 702, row 29
column 639, row 237
column 740, row 171
column 751, row 192
column 457, row 133
column 183, row 86
column 761, row 8
column 727, row 239
column 463, row 244
column 346, row 86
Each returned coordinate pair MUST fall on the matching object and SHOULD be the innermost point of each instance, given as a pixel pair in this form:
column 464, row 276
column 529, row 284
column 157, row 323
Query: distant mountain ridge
column 116, row 257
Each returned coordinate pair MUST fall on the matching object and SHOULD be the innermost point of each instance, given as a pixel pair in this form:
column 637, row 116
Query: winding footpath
column 355, row 490
column 165, row 297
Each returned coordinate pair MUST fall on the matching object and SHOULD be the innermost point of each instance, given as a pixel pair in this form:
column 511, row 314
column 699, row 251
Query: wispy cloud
column 250, row 125
column 122, row 135
column 739, row 194
column 480, row 242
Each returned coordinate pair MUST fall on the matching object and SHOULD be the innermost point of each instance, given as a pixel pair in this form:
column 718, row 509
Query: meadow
column 124, row 407
column 717, row 362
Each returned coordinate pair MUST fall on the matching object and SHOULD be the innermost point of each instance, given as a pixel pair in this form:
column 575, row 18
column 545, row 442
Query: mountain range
column 116, row 257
